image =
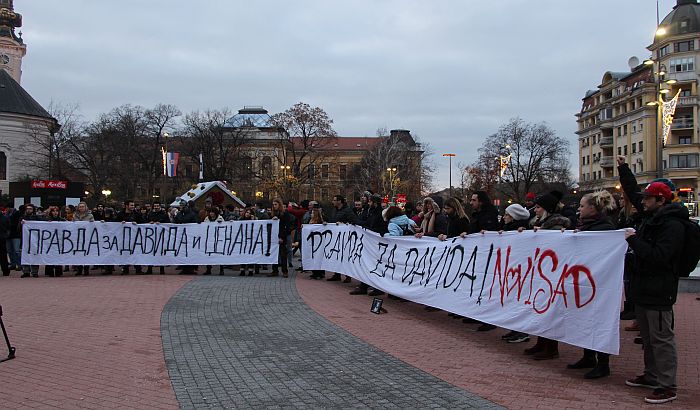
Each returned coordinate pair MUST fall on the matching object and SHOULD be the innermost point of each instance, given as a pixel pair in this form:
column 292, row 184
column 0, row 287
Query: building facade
column 25, row 126
column 621, row 116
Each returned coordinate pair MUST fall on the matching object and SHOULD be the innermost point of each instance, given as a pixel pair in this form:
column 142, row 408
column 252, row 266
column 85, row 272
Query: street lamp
column 450, row 157
column 392, row 171
column 106, row 193
column 659, row 71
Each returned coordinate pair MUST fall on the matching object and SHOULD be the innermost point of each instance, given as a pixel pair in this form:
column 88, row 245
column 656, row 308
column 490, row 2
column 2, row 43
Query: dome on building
column 683, row 19
column 250, row 117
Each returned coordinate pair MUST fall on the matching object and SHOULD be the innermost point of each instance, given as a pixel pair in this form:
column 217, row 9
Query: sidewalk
column 86, row 342
column 484, row 365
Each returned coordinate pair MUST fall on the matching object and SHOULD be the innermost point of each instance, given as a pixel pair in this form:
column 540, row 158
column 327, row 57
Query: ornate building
column 23, row 121
column 620, row 116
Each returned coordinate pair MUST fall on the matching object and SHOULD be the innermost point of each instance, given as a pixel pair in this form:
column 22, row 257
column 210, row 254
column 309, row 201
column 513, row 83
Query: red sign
column 686, row 190
column 401, row 198
column 42, row 184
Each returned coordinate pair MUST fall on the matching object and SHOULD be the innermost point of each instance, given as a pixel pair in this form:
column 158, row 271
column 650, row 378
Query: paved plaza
column 172, row 341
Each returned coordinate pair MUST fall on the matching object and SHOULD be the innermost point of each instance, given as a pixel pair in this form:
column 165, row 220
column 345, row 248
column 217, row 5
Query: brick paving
column 482, row 364
column 86, row 342
column 251, row 343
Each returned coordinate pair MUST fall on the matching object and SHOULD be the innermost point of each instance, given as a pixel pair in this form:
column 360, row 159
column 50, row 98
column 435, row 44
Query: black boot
column 586, row 362
column 600, row 370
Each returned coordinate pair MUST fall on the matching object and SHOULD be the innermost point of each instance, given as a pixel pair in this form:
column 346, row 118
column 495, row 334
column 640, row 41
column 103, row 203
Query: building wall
column 18, row 134
column 631, row 124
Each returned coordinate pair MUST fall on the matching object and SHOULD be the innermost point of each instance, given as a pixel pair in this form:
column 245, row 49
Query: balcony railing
column 606, row 142
column 607, row 162
column 690, row 100
column 682, row 123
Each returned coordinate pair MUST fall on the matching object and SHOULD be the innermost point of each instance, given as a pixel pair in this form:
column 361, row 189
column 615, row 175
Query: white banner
column 563, row 286
column 113, row 243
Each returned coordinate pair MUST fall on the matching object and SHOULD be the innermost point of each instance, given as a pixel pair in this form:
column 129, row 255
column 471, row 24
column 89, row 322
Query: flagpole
column 201, row 167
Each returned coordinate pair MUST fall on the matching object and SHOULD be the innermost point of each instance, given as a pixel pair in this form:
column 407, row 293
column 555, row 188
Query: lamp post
column 285, row 171
column 106, row 193
column 450, row 157
column 392, row 171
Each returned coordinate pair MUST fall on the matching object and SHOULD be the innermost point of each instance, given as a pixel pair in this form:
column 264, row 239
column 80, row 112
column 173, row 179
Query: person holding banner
column 317, row 218
column 457, row 220
column 249, row 215
column 593, row 216
column 280, row 214
column 484, row 215
column 434, row 222
column 28, row 215
column 547, row 218
column 343, row 214
column 129, row 214
column 375, row 222
column 4, row 235
column 213, row 217
column 83, row 214
column 157, row 215
column 54, row 215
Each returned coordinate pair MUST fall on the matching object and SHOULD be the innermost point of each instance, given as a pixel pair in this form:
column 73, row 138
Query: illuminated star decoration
column 165, row 161
column 668, row 111
column 504, row 163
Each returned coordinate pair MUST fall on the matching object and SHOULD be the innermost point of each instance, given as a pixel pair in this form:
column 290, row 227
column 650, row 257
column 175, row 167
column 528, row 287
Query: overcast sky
column 449, row 71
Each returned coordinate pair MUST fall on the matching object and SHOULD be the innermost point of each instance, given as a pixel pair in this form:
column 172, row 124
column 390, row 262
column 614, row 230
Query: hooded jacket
column 484, row 220
column 656, row 246
column 398, row 224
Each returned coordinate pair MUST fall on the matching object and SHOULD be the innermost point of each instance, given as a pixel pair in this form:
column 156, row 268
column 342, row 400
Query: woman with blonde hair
column 593, row 216
column 317, row 218
column 434, row 222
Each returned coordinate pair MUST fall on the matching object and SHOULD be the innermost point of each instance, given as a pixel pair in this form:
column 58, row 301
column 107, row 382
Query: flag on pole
column 201, row 167
column 173, row 159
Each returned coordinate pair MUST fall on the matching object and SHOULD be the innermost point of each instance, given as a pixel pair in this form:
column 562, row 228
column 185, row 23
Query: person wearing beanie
column 547, row 218
column 565, row 210
column 375, row 222
column 515, row 217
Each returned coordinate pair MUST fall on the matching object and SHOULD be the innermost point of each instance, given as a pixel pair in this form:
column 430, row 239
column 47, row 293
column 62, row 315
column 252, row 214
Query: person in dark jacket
column 457, row 219
column 14, row 244
column 516, row 217
column 434, row 222
column 157, row 215
column 129, row 214
column 342, row 212
column 565, row 210
column 375, row 222
column 485, row 215
column 547, row 218
column 54, row 215
column 654, row 287
column 29, row 214
column 593, row 216
column 280, row 213
column 4, row 239
column 188, row 215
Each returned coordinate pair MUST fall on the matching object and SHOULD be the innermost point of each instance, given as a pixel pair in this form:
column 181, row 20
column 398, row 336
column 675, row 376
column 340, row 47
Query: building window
column 324, row 194
column 583, row 160
column 3, row 166
column 663, row 51
column 684, row 161
column 634, row 127
column 679, row 65
column 600, row 175
column 685, row 140
column 266, row 166
column 634, row 168
column 686, row 93
column 634, row 147
column 619, row 150
column 684, row 26
column 189, row 171
column 312, row 171
column 641, row 167
column 325, row 171
column 641, row 127
column 624, row 129
column 343, row 172
column 624, row 151
column 684, row 46
column 619, row 131
column 641, row 146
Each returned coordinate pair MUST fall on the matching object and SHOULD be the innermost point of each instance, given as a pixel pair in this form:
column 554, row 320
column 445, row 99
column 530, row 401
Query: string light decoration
column 669, row 109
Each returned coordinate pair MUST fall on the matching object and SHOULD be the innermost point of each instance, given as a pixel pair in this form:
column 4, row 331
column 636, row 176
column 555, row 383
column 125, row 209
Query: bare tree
column 221, row 147
column 304, row 146
column 49, row 139
column 403, row 154
column 538, row 157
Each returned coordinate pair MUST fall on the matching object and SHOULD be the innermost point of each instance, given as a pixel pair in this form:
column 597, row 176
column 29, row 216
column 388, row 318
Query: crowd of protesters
column 651, row 217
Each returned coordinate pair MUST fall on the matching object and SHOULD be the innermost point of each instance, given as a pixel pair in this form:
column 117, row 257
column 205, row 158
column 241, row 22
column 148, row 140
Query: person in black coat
column 485, row 215
column 157, row 215
column 457, row 219
column 375, row 222
column 593, row 212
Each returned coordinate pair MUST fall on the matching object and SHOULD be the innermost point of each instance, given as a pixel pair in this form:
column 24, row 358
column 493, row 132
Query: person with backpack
column 654, row 285
column 398, row 223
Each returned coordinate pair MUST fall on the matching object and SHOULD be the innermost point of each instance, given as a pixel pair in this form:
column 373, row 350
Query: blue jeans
column 14, row 251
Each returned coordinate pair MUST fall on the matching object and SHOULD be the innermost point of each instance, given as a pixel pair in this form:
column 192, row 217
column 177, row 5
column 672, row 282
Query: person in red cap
column 654, row 283
column 530, row 203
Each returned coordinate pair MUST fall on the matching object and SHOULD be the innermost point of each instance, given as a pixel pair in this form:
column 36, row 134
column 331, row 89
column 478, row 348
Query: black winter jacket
column 484, row 220
column 602, row 223
column 344, row 215
column 455, row 226
column 129, row 217
column 375, row 221
column 657, row 246
column 514, row 225
column 158, row 216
